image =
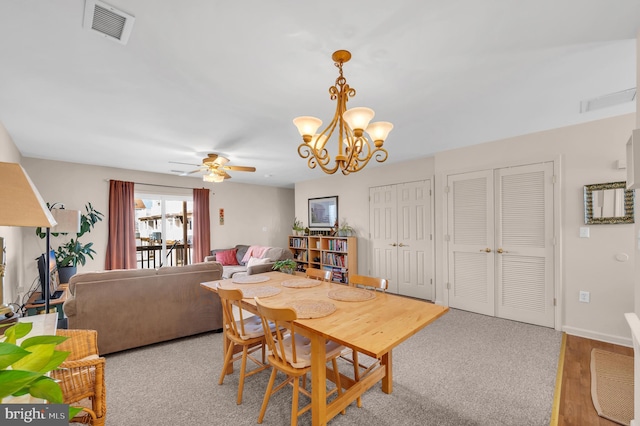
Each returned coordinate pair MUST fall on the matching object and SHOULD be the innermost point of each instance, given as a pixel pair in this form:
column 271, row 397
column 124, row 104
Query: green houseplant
column 287, row 266
column 297, row 227
column 74, row 252
column 345, row 230
column 24, row 368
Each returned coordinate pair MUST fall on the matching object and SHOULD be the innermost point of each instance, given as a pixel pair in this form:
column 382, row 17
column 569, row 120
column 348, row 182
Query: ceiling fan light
column 221, row 161
column 358, row 118
column 379, row 130
column 209, row 177
column 307, row 126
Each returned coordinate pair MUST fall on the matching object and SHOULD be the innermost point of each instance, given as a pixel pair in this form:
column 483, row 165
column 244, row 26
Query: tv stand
column 35, row 304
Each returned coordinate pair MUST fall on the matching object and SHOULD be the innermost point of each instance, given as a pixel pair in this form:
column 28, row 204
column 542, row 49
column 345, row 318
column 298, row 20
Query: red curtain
column 121, row 247
column 201, row 225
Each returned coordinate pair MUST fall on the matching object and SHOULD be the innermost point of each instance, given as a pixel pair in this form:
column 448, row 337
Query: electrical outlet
column 584, row 297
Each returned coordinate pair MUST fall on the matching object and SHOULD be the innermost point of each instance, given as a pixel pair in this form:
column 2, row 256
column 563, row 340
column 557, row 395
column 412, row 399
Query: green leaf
column 73, row 411
column 17, row 331
column 42, row 340
column 10, row 353
column 12, row 381
column 37, row 359
column 56, row 359
column 46, row 388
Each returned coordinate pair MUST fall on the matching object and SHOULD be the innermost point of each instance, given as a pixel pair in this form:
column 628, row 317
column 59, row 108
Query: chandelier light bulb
column 307, row 126
column 379, row 131
column 358, row 119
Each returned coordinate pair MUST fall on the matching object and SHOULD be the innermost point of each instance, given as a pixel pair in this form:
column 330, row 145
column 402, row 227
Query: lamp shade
column 20, row 201
column 307, row 126
column 68, row 221
column 379, row 130
column 358, row 118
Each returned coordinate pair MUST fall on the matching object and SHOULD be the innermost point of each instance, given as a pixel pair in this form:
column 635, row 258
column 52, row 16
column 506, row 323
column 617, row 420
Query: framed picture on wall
column 323, row 212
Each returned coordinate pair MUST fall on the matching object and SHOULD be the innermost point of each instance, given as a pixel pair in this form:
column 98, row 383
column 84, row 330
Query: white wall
column 353, row 195
column 253, row 214
column 587, row 154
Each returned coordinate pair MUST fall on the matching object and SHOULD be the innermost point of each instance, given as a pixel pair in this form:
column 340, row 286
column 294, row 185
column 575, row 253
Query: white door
column 401, row 237
column 470, row 236
column 500, row 243
column 524, row 244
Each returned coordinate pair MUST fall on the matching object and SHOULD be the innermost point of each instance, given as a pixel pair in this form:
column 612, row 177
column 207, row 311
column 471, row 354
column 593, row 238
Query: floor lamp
column 21, row 205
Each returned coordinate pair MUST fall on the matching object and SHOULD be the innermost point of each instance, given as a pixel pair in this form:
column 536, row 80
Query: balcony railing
column 150, row 256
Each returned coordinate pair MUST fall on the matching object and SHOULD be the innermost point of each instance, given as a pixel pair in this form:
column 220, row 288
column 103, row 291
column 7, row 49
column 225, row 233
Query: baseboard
column 608, row 338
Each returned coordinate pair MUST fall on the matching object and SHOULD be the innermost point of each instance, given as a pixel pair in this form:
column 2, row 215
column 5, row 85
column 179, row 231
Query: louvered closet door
column 470, row 237
column 524, row 244
column 383, row 229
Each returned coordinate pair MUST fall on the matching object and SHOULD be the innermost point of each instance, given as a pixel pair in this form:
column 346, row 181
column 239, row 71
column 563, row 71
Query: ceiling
column 204, row 76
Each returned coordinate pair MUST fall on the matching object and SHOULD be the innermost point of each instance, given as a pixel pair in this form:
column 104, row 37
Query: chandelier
column 354, row 148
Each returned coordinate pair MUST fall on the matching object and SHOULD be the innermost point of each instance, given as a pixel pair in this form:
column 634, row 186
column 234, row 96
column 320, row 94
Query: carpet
column 612, row 385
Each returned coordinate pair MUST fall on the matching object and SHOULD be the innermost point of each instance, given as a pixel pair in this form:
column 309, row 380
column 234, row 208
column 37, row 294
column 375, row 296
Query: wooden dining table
column 372, row 327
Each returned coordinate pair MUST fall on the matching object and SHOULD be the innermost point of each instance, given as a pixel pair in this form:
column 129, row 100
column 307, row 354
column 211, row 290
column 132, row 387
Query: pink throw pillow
column 227, row 257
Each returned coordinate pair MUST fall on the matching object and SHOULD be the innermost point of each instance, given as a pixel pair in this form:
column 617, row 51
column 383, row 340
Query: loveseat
column 137, row 307
column 237, row 261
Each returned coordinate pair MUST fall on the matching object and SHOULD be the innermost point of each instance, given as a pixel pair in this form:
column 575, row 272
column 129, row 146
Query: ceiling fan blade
column 226, row 175
column 186, row 164
column 199, row 169
column 240, row 168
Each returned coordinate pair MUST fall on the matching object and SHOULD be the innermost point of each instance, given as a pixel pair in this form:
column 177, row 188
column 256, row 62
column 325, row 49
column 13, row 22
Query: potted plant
column 74, row 252
column 24, row 368
column 345, row 230
column 297, row 227
column 287, row 266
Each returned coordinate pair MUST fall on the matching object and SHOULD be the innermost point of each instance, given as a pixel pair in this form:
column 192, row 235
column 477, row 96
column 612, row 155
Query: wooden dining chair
column 318, row 274
column 81, row 376
column 246, row 333
column 290, row 354
column 370, row 283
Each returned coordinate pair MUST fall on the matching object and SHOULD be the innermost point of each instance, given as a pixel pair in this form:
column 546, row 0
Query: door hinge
column 446, row 189
column 447, row 237
column 431, row 281
column 430, row 193
column 553, row 179
column 448, row 286
column 554, row 301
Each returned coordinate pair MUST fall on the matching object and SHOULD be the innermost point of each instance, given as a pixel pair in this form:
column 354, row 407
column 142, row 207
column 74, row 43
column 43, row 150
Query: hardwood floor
column 576, row 406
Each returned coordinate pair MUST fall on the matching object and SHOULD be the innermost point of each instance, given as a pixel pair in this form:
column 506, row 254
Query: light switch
column 584, row 232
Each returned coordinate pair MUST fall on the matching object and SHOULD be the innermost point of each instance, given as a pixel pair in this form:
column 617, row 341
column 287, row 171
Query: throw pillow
column 257, row 261
column 227, row 257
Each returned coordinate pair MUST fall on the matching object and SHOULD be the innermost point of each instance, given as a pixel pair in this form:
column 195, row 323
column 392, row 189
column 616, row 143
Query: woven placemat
column 612, row 385
column 250, row 279
column 351, row 294
column 262, row 291
column 307, row 309
column 301, row 283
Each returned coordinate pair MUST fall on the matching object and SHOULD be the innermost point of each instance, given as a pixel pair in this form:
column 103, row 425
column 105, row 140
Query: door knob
column 487, row 250
column 501, row 251
column 393, row 245
column 402, row 245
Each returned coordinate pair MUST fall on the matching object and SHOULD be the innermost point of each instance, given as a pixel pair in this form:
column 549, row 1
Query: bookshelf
column 337, row 254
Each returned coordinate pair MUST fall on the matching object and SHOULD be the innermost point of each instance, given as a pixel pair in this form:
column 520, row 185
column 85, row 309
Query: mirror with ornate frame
column 607, row 203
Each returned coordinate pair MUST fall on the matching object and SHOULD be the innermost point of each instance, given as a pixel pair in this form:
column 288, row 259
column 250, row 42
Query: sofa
column 237, row 261
column 137, row 307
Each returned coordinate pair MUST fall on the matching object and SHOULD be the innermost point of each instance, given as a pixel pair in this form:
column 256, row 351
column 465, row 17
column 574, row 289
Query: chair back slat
column 283, row 319
column 230, row 298
column 318, row 274
column 368, row 282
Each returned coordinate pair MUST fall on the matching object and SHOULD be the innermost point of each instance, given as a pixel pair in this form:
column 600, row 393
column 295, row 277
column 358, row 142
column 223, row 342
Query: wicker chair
column 81, row 376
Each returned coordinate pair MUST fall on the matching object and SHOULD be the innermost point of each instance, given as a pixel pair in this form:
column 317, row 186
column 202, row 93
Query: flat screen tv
column 53, row 274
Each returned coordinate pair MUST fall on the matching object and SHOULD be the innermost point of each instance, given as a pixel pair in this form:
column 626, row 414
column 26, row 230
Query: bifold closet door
column 500, row 242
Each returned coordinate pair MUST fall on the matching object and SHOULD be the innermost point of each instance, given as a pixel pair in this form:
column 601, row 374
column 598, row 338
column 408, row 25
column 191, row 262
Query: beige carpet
column 612, row 385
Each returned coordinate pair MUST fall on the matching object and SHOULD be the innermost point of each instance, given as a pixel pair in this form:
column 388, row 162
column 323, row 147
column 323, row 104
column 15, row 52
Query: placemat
column 301, row 283
column 262, row 291
column 351, row 294
column 250, row 279
column 307, row 309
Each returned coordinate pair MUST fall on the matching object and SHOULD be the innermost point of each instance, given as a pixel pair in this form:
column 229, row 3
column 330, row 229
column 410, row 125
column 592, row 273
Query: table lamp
column 20, row 205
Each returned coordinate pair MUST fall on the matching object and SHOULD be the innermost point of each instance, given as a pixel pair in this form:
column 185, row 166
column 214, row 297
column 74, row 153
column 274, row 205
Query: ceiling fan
column 215, row 168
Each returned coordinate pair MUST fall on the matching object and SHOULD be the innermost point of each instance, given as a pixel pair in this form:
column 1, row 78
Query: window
column 163, row 236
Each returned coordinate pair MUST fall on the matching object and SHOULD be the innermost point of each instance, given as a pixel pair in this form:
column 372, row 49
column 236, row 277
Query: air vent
column 609, row 100
column 108, row 21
